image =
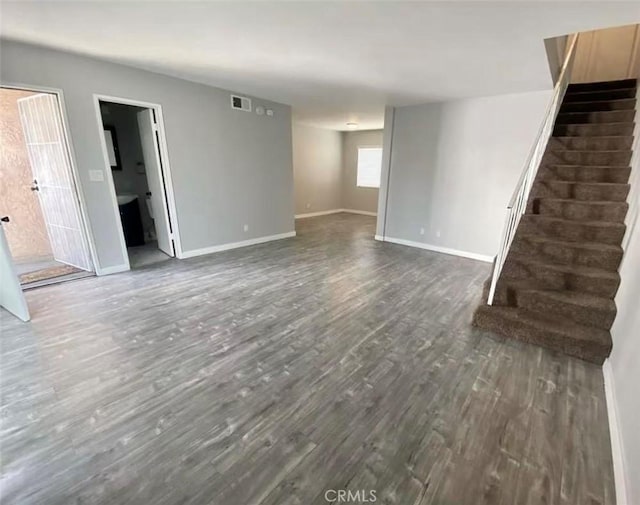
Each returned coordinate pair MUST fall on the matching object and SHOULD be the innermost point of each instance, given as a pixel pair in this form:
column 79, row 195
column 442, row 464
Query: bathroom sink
column 125, row 199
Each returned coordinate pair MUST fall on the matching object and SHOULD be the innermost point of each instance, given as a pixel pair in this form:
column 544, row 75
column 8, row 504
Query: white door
column 53, row 181
column 153, row 167
column 11, row 295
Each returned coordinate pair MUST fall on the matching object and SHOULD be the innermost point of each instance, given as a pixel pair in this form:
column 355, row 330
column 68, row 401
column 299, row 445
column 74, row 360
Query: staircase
column 560, row 275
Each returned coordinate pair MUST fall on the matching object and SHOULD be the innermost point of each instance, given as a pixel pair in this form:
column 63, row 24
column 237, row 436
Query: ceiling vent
column 241, row 103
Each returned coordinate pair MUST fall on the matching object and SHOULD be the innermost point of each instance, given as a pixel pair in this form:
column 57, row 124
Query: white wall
column 624, row 363
column 353, row 197
column 454, row 166
column 229, row 168
column 317, row 169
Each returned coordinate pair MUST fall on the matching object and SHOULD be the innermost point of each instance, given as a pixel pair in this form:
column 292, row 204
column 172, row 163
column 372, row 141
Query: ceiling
column 334, row 62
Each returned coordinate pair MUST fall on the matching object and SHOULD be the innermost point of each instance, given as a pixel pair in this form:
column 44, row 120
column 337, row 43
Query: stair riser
column 595, row 353
column 593, row 96
column 608, row 158
column 588, row 316
column 617, row 116
column 593, row 130
column 553, row 279
column 590, row 143
column 571, row 232
column 580, row 211
column 597, row 106
column 578, row 191
column 618, row 175
column 601, row 86
column 564, row 254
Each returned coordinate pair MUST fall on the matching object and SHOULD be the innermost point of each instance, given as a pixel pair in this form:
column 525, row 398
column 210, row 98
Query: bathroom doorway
column 46, row 234
column 133, row 149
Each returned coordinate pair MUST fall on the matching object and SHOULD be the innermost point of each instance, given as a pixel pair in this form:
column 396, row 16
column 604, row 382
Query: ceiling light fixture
column 352, row 125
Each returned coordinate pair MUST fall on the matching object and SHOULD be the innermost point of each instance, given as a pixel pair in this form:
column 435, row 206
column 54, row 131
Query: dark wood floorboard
column 270, row 374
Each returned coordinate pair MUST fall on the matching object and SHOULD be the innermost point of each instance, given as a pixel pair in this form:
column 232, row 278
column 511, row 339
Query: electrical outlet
column 438, row 234
column 246, row 227
column 421, row 231
column 308, row 205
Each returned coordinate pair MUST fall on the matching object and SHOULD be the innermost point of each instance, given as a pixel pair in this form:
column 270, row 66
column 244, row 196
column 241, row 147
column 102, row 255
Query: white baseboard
column 335, row 211
column 614, row 434
column 320, row 213
column 363, row 212
column 379, row 237
column 236, row 245
column 435, row 248
column 112, row 270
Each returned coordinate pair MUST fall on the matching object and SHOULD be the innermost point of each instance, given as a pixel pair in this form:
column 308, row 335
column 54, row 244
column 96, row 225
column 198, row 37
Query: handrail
column 518, row 202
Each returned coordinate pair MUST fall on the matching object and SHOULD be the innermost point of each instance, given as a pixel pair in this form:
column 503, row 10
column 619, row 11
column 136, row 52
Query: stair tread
column 595, row 136
column 585, row 166
column 592, row 91
column 589, row 151
column 580, row 202
column 599, row 184
column 594, row 246
column 631, row 82
column 586, row 300
column 573, row 269
column 602, row 224
column 553, row 324
column 626, row 123
column 601, row 101
column 566, row 113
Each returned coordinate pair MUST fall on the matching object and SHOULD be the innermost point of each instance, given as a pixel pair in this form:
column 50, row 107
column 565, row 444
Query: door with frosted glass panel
column 53, row 180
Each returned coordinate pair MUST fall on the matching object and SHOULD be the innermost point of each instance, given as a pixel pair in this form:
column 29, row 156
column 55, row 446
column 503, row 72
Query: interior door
column 155, row 178
column 11, row 295
column 53, row 181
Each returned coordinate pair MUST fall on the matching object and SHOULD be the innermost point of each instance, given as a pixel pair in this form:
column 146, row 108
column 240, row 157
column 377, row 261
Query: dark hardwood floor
column 272, row 374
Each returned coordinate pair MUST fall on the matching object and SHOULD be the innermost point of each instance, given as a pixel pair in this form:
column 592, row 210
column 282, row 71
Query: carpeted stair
column 560, row 277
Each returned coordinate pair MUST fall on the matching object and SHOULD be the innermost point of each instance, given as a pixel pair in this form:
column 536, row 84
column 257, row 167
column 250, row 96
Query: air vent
column 241, row 103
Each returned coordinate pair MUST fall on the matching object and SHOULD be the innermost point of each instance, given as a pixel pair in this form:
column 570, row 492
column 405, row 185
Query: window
column 369, row 166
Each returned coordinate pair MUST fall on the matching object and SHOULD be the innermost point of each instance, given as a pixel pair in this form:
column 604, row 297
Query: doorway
column 45, row 231
column 133, row 149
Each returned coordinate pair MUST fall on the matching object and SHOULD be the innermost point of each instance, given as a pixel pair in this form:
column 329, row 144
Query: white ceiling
column 334, row 62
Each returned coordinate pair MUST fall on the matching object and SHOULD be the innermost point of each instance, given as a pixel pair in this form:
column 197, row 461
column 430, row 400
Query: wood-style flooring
column 272, row 374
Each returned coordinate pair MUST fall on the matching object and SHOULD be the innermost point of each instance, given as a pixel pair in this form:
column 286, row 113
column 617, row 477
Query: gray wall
column 354, row 197
column 625, row 333
column 229, row 167
column 454, row 166
column 317, row 169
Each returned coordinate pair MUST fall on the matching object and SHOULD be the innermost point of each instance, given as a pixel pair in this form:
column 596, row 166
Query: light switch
column 96, row 175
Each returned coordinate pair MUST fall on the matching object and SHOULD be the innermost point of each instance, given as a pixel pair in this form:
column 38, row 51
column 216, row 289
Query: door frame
column 75, row 178
column 165, row 169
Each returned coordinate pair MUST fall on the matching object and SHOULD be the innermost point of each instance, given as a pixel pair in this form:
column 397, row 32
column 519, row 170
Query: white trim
column 62, row 108
column 622, row 498
column 362, row 212
column 335, row 211
column 165, row 167
column 114, row 269
column 435, row 248
column 379, row 238
column 236, row 245
column 320, row 213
